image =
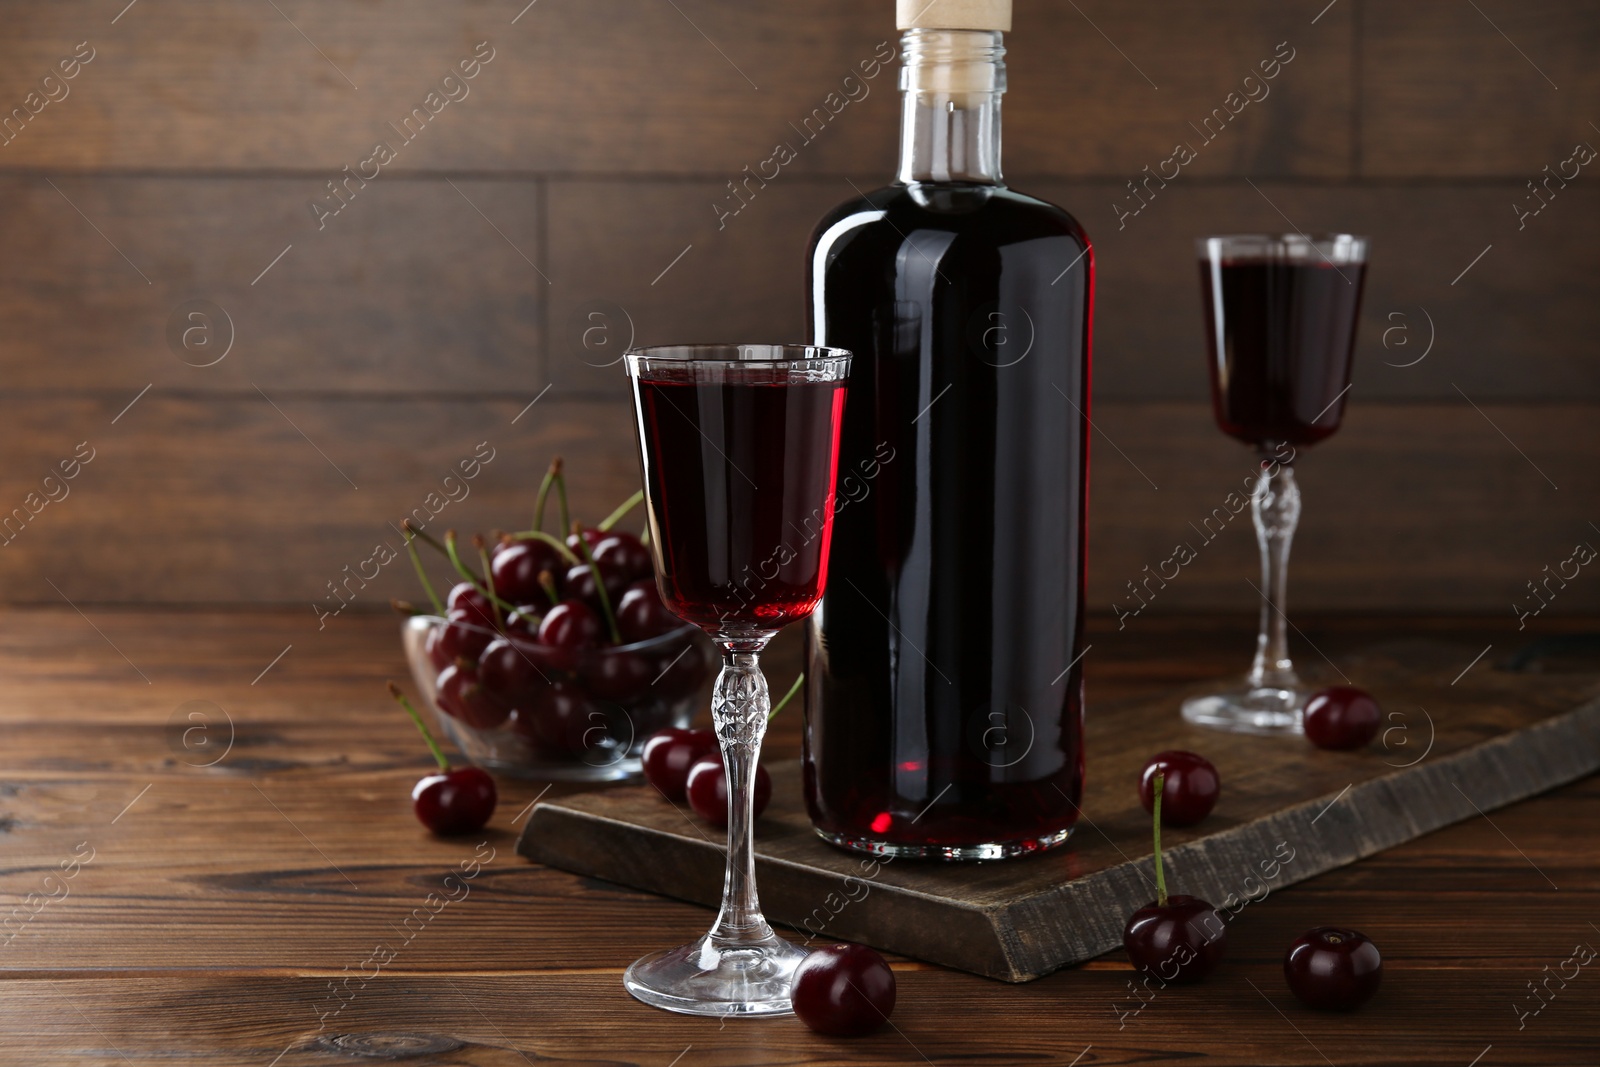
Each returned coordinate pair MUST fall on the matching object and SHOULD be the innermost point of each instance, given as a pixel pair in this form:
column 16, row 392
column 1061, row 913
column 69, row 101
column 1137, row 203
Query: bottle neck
column 950, row 123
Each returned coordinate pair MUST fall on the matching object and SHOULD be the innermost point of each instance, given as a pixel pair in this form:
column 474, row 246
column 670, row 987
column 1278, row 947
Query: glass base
column 722, row 979
column 995, row 850
column 1268, row 711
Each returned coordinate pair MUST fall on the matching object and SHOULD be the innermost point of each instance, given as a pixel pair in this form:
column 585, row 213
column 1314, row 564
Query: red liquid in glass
column 740, row 476
column 1281, row 336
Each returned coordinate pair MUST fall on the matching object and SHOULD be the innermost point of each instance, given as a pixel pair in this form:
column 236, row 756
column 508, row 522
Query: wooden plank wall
column 565, row 199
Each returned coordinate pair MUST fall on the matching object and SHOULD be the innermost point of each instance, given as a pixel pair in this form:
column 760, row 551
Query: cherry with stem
column 488, row 580
column 448, row 550
column 567, row 555
column 599, row 584
column 1176, row 931
column 456, row 800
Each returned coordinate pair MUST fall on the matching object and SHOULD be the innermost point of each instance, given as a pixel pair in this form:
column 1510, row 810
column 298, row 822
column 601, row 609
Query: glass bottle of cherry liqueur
column 944, row 704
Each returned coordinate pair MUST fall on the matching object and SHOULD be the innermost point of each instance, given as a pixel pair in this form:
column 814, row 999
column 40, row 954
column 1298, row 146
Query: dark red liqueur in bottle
column 731, row 554
column 944, row 686
column 1281, row 334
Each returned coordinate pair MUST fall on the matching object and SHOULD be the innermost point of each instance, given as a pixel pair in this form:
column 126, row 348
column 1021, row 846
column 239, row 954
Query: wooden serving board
column 1288, row 811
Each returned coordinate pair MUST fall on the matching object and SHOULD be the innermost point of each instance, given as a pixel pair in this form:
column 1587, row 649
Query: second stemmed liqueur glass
column 738, row 446
column 1281, row 316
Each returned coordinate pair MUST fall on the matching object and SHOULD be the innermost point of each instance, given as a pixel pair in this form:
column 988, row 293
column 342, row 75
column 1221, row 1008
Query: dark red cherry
column 641, row 615
column 562, row 721
column 590, row 535
column 454, row 802
column 1342, row 717
column 624, row 553
column 843, row 990
column 571, row 624
column 579, row 583
column 612, row 675
column 461, row 695
column 463, row 636
column 509, row 668
column 516, row 568
column 1177, row 943
column 669, row 754
column 524, row 622
column 437, row 654
column 1191, row 789
column 1175, row 939
column 530, row 705
column 465, row 597
column 1333, row 969
column 707, row 789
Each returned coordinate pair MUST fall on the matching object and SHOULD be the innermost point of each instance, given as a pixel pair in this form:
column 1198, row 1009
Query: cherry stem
column 622, row 510
column 599, row 585
column 1161, row 877
column 561, row 498
column 544, row 493
column 547, row 582
column 793, row 689
column 403, row 607
column 427, row 735
column 422, row 575
column 488, row 578
column 644, row 538
column 455, row 558
column 554, row 542
column 449, row 549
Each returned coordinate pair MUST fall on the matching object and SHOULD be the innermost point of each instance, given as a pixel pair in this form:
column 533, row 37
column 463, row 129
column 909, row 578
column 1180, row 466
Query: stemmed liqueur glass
column 1280, row 327
column 738, row 445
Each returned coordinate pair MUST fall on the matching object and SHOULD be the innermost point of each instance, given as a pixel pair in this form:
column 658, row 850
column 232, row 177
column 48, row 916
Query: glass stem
column 1276, row 508
column 739, row 708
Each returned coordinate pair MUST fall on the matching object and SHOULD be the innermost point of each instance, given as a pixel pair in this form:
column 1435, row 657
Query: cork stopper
column 993, row 15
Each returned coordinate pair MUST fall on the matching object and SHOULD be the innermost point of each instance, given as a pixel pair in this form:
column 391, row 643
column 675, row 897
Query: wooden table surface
column 228, row 914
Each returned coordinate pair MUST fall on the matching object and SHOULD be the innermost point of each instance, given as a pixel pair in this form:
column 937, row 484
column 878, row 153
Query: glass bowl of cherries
column 553, row 658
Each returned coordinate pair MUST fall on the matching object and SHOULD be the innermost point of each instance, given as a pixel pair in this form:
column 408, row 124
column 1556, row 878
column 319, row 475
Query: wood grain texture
column 1469, row 91
column 469, row 1020
column 208, row 929
column 231, row 500
column 411, row 290
column 271, row 497
column 1506, row 736
column 587, row 159
column 1374, row 530
column 418, row 287
column 1513, row 328
column 619, row 86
